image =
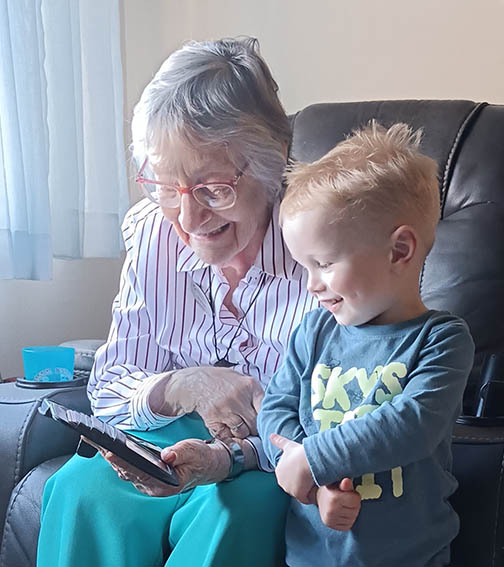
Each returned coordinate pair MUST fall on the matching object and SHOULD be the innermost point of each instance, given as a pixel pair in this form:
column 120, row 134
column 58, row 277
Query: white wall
column 318, row 50
column 75, row 304
column 151, row 31
column 340, row 50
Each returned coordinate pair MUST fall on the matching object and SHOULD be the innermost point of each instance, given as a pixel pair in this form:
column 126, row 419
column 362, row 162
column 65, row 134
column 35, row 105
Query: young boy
column 373, row 380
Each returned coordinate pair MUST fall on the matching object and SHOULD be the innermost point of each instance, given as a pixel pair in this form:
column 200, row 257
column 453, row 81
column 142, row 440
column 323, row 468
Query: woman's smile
column 211, row 235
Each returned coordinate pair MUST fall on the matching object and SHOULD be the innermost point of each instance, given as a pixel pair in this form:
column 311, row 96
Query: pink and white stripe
column 162, row 318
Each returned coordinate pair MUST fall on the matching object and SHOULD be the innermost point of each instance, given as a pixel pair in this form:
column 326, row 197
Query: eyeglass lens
column 212, row 195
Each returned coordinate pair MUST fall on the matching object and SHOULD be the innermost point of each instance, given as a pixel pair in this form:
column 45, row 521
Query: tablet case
column 141, row 454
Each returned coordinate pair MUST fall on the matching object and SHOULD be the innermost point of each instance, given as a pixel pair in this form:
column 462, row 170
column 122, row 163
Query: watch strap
column 237, row 459
column 236, row 456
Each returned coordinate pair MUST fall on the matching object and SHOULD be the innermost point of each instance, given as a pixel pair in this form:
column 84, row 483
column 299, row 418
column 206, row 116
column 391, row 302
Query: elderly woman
column 208, row 298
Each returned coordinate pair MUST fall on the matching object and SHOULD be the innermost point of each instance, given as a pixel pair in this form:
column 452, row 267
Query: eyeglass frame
column 232, row 183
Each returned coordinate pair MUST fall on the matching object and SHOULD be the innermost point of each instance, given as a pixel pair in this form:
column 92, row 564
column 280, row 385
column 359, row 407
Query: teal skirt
column 91, row 518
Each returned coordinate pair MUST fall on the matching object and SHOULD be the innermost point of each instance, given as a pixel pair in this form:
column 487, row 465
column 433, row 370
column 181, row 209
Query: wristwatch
column 236, row 456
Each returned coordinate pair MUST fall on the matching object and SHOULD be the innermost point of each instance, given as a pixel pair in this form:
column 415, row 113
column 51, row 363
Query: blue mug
column 48, row 363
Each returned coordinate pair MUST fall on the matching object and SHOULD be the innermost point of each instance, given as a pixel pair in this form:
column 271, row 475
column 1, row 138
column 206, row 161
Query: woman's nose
column 192, row 215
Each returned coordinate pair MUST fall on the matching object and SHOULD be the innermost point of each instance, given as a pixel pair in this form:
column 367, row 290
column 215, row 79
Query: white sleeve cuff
column 142, row 415
column 261, row 458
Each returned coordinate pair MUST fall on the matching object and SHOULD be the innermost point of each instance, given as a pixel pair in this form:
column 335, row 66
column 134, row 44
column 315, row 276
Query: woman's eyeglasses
column 216, row 196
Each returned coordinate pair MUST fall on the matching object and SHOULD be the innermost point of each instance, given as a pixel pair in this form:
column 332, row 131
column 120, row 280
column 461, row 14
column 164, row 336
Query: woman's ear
column 403, row 246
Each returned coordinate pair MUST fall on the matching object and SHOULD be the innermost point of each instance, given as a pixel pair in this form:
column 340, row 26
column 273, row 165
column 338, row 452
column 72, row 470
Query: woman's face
column 219, row 238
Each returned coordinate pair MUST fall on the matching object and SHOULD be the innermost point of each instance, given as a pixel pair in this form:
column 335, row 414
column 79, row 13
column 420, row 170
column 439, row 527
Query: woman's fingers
column 143, row 482
column 219, row 430
column 124, row 470
column 234, row 426
column 247, row 407
column 197, row 462
column 220, row 396
column 257, row 398
column 240, row 429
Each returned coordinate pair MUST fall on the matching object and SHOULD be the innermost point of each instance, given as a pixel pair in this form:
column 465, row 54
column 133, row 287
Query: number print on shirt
column 338, row 396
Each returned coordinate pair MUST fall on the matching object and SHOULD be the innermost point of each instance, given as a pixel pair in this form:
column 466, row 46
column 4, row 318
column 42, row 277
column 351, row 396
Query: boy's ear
column 403, row 246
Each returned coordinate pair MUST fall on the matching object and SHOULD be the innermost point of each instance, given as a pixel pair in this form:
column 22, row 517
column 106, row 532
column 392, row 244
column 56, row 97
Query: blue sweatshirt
column 376, row 403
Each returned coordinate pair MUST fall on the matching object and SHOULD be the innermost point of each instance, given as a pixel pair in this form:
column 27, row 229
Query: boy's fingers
column 279, row 441
column 346, row 485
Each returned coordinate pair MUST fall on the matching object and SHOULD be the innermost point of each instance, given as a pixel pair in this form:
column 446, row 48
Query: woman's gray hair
column 216, row 95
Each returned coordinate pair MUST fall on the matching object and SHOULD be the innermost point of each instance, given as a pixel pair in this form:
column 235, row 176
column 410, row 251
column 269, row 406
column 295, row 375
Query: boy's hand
column 338, row 504
column 293, row 472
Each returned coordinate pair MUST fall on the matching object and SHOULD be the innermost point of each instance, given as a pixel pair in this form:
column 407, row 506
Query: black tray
column 481, row 421
column 34, row 384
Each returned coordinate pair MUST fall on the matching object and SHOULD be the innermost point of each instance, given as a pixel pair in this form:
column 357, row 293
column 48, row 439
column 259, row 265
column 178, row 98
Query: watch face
column 145, row 453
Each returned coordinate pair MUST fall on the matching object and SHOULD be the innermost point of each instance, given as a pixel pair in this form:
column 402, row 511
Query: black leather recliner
column 464, row 274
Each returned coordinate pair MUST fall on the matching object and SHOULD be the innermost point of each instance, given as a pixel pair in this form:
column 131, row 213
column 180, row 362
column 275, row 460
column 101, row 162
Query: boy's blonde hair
column 376, row 175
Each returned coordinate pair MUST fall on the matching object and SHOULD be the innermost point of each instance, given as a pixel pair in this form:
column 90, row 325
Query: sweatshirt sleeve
column 280, row 407
column 410, row 426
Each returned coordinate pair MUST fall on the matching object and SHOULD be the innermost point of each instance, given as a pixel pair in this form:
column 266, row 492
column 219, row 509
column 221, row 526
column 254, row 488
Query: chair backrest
column 464, row 273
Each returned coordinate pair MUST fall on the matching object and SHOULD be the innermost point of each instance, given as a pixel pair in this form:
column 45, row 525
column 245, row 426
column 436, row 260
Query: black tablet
column 143, row 455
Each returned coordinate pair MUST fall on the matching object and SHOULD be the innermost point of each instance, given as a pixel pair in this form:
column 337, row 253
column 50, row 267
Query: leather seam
column 493, row 439
column 497, row 514
column 21, row 441
column 448, row 169
column 7, row 525
column 291, row 141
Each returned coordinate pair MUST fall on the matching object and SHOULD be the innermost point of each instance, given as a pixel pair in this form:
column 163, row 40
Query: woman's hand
column 225, row 400
column 293, row 471
column 194, row 461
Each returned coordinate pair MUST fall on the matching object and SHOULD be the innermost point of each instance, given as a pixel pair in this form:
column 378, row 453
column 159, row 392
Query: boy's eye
column 323, row 266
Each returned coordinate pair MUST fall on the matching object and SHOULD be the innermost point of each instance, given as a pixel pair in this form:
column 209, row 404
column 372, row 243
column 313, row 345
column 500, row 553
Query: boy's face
column 350, row 275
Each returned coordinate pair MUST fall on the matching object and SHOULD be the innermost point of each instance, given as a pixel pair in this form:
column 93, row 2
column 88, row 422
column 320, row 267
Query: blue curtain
column 63, row 187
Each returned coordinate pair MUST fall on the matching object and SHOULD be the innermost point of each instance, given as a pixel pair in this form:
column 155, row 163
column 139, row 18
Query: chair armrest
column 27, row 438
column 478, row 454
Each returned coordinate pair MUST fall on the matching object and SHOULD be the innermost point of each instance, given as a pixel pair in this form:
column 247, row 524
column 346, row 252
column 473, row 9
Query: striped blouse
column 162, row 316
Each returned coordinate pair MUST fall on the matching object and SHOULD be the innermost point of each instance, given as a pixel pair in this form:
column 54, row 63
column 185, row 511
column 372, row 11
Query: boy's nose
column 314, row 284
